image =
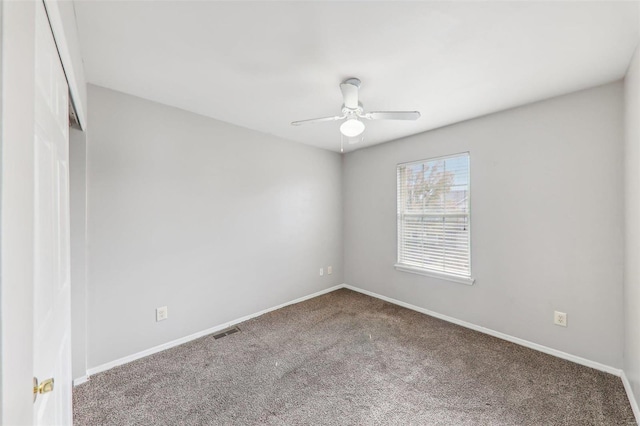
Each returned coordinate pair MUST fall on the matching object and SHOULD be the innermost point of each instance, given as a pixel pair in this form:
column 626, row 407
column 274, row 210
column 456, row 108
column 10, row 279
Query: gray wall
column 546, row 216
column 213, row 220
column 78, row 211
column 632, row 227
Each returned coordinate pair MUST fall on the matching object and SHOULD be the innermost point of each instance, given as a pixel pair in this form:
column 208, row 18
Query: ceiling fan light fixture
column 352, row 112
column 352, row 127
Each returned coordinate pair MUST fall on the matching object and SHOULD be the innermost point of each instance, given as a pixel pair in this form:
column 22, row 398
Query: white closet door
column 52, row 309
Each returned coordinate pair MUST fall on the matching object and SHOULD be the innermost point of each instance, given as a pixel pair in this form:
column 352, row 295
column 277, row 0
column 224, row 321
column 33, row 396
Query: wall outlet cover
column 162, row 313
column 560, row 318
column 329, row 270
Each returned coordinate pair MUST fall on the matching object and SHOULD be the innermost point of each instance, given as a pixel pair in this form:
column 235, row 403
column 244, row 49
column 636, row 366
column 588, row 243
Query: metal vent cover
column 226, row 332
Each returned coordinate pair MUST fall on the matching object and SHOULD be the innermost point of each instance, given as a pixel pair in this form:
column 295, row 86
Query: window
column 433, row 218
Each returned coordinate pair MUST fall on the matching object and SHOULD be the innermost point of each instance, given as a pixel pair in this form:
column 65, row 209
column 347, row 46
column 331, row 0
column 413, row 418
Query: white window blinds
column 433, row 215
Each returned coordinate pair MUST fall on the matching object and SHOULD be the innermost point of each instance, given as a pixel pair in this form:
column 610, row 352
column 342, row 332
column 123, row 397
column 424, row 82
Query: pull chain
column 341, row 143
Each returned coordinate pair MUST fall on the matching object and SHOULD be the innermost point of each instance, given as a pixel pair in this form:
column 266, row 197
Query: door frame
column 61, row 16
column 16, row 210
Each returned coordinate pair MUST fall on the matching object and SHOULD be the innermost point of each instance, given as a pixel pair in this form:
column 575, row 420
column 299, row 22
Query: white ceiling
column 262, row 65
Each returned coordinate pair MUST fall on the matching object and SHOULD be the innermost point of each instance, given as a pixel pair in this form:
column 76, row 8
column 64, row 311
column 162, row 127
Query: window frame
column 462, row 279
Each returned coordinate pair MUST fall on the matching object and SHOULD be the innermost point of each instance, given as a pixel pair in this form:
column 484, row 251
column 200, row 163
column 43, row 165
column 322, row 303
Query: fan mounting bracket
column 353, row 81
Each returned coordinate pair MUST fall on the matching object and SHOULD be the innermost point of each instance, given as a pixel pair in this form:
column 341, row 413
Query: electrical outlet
column 321, row 271
column 560, row 318
column 329, row 270
column 162, row 313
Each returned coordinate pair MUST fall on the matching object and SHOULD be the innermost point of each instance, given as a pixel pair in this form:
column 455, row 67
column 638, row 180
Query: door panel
column 52, row 314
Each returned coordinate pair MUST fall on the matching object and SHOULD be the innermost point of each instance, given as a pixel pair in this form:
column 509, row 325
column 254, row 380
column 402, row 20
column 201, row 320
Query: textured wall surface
column 212, row 220
column 546, row 222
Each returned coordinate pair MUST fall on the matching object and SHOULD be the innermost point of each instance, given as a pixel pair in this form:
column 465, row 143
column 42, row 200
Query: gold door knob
column 44, row 387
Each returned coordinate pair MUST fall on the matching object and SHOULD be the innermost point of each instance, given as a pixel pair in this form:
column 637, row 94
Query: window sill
column 433, row 274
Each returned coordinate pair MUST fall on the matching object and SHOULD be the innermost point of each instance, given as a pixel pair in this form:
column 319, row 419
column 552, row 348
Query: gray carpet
column 347, row 359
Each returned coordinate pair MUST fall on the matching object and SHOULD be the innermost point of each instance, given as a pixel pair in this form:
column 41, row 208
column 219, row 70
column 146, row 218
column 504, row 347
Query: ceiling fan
column 353, row 114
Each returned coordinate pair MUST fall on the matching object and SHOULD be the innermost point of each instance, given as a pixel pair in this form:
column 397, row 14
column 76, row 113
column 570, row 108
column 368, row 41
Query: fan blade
column 392, row 115
column 349, row 90
column 318, row 120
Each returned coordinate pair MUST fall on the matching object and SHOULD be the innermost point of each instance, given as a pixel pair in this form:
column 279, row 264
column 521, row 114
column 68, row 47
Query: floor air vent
column 226, row 332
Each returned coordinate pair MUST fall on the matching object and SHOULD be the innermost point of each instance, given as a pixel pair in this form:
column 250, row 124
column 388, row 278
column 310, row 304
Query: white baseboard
column 503, row 336
column 632, row 400
column 80, row 380
column 564, row 355
column 109, row 365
